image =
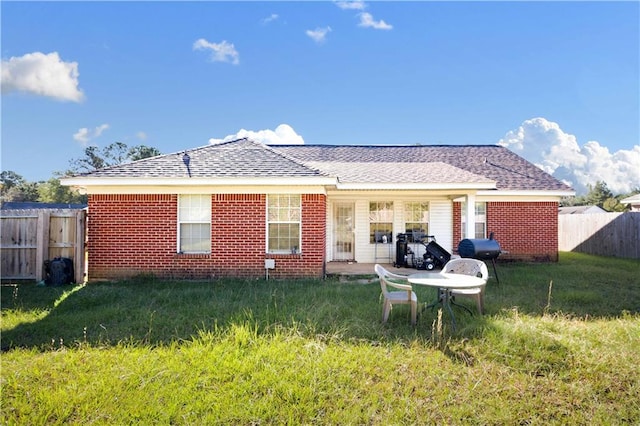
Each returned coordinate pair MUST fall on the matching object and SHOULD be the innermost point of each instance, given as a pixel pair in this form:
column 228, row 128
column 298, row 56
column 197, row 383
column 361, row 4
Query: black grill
column 481, row 249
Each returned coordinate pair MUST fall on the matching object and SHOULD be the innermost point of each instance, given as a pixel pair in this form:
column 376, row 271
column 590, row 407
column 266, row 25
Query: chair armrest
column 396, row 277
column 398, row 285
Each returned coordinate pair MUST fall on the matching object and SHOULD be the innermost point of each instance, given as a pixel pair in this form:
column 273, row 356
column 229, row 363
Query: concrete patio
column 361, row 271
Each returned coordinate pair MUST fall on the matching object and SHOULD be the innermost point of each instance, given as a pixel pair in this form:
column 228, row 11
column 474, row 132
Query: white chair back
column 466, row 266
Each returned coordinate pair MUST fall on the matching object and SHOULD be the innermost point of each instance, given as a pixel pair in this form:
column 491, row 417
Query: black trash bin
column 59, row 271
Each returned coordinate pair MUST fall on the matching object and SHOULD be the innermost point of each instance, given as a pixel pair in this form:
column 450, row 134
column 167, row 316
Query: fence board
column 29, row 237
column 603, row 234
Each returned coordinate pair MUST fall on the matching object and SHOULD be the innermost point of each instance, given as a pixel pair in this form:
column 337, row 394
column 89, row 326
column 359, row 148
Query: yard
column 559, row 344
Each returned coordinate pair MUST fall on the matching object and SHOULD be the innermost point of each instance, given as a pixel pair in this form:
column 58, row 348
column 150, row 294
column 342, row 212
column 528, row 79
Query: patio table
column 445, row 283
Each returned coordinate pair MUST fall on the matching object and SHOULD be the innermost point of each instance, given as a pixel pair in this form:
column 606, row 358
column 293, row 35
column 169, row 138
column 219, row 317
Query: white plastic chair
column 404, row 297
column 473, row 267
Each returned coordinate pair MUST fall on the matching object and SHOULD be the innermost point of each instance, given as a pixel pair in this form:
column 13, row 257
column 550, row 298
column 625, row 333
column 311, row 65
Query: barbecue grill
column 481, row 249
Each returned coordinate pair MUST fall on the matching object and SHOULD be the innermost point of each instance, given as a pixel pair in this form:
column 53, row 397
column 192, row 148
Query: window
column 380, row 222
column 416, row 219
column 480, row 220
column 194, row 223
column 284, row 217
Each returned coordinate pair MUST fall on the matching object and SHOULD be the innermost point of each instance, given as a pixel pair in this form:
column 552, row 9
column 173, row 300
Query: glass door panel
column 343, row 236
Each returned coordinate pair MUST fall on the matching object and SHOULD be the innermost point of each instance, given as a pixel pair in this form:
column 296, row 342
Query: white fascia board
column 246, row 189
column 537, row 195
column 528, row 193
column 408, row 195
column 151, row 182
column 416, row 186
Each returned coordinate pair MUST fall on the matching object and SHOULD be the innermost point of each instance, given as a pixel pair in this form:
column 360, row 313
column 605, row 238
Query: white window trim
column 268, row 222
column 390, row 221
column 482, row 217
column 181, row 221
column 426, row 224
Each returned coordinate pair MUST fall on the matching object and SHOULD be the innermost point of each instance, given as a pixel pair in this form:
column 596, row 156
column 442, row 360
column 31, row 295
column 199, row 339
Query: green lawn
column 559, row 344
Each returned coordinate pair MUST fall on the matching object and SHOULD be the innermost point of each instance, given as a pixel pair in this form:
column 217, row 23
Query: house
column 240, row 207
column 581, row 210
column 634, row 201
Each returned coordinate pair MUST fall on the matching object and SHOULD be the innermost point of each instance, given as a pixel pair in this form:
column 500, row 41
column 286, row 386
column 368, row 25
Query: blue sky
column 556, row 82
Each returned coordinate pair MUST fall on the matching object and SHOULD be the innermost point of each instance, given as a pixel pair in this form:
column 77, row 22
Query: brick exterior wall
column 137, row 234
column 526, row 230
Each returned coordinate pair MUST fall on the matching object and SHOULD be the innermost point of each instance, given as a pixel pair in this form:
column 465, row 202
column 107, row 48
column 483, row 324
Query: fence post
column 79, row 255
column 42, row 245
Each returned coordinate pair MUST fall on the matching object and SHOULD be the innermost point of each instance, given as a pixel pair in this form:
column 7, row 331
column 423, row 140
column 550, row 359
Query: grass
column 557, row 345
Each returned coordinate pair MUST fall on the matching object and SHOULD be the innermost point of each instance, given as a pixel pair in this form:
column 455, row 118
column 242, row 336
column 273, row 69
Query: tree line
column 14, row 187
column 600, row 195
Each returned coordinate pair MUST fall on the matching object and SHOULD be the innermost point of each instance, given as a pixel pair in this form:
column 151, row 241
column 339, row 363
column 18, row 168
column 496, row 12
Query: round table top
column 451, row 281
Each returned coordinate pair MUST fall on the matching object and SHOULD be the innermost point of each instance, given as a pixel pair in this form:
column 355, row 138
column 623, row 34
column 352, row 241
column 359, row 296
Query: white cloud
column 43, row 75
column 84, row 135
column 220, row 52
column 141, row 135
column 270, row 18
column 101, row 128
column 545, row 144
column 367, row 21
column 283, row 135
column 351, row 5
column 319, row 35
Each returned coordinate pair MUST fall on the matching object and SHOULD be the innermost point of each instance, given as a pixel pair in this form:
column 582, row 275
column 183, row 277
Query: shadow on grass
column 157, row 312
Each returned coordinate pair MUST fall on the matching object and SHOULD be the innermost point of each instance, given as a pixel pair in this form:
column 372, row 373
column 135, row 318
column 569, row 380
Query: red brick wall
column 136, row 234
column 526, row 230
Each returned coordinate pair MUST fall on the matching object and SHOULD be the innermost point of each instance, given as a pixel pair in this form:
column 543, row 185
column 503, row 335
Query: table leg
column 444, row 298
column 447, row 302
column 437, row 301
column 462, row 306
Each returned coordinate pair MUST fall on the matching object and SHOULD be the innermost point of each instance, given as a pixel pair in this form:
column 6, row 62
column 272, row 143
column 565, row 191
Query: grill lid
column 477, row 248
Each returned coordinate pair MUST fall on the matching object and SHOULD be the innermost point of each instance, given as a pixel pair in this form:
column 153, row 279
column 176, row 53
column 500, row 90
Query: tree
column 612, row 204
column 92, row 160
column 14, row 187
column 10, row 179
column 598, row 194
column 111, row 155
column 52, row 191
column 25, row 191
column 141, row 151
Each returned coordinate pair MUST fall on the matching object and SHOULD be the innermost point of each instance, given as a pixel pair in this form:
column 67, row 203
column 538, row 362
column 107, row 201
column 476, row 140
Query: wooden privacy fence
column 29, row 237
column 603, row 234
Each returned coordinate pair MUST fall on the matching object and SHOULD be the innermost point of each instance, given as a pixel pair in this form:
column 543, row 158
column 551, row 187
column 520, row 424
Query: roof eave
column 475, row 186
column 186, row 181
column 529, row 192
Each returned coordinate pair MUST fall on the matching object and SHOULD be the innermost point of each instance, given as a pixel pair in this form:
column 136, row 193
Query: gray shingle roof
column 445, row 164
column 241, row 158
column 388, row 172
column 507, row 169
